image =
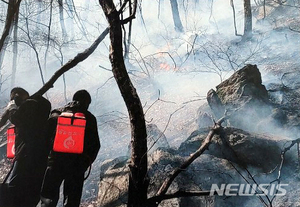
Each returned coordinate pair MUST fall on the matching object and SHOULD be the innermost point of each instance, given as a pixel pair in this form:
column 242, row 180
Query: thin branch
column 175, row 65
column 244, row 167
column 260, row 198
column 77, row 59
column 189, row 52
column 123, row 6
column 132, row 16
column 12, row 9
column 294, row 30
column 165, row 186
column 144, row 63
column 4, row 1
column 278, row 179
column 48, row 35
column 32, row 45
column 104, row 68
column 162, row 133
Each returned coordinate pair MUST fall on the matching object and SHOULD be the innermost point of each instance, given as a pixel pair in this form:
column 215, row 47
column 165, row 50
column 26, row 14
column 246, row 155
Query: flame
column 165, row 66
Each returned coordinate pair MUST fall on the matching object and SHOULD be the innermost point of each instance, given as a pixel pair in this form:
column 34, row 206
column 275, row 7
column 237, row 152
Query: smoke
column 171, row 71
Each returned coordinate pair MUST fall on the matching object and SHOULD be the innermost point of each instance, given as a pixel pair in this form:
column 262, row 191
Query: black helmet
column 83, row 97
column 18, row 91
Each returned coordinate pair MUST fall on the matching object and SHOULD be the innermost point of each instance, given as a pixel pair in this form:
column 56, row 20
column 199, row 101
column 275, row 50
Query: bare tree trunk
column 13, row 7
column 32, row 45
column 264, row 9
column 62, row 20
column 176, row 17
column 128, row 41
column 71, row 20
column 247, row 20
column 138, row 181
column 48, row 37
column 15, row 50
column 39, row 14
column 234, row 18
column 75, row 16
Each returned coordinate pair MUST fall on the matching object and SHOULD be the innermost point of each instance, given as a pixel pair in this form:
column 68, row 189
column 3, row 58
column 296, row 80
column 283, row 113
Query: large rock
column 286, row 98
column 252, row 106
column 244, row 96
column 113, row 187
column 223, row 163
column 200, row 175
column 256, row 150
column 243, row 85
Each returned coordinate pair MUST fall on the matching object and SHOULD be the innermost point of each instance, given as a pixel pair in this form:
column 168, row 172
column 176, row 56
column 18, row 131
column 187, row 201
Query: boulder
column 256, row 150
column 244, row 84
column 286, row 113
column 244, row 95
column 113, row 187
column 206, row 170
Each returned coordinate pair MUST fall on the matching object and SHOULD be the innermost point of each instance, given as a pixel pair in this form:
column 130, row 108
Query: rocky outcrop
column 232, row 157
column 286, row 98
column 244, row 96
column 220, row 164
column 252, row 106
column 256, row 150
column 242, row 86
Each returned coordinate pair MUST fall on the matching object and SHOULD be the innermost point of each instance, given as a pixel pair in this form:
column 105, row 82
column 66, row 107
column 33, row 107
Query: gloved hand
column 11, row 105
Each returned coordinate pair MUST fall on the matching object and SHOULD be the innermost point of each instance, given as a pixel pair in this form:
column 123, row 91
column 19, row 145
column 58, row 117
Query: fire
column 165, row 66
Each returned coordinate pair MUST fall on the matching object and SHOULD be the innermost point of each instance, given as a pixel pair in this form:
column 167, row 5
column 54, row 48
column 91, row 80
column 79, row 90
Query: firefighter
column 29, row 115
column 67, row 167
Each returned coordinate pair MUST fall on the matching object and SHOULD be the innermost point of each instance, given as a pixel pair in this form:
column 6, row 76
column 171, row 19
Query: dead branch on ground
column 278, row 179
column 165, row 186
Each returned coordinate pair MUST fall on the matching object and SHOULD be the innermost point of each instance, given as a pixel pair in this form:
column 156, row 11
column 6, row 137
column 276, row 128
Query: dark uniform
column 31, row 151
column 69, row 167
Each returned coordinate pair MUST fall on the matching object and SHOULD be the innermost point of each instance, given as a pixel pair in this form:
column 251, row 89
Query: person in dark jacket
column 70, row 167
column 29, row 115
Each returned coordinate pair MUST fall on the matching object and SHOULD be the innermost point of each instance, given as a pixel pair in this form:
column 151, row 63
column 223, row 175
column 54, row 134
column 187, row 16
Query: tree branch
column 77, row 59
column 11, row 10
column 132, row 16
column 165, row 186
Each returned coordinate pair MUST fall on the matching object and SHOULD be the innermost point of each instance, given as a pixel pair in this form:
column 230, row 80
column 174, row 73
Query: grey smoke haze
column 173, row 68
column 208, row 26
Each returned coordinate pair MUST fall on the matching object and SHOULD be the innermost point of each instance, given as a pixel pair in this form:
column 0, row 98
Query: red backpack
column 11, row 137
column 69, row 136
